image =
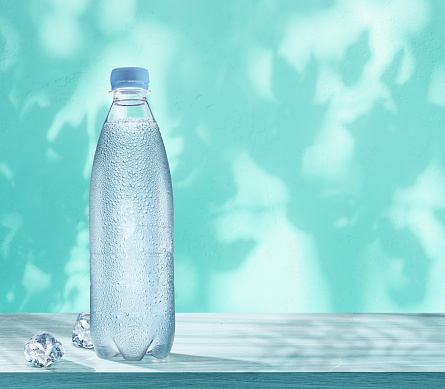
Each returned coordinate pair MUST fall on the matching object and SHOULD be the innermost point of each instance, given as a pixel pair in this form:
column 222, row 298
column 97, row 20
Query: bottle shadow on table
column 185, row 362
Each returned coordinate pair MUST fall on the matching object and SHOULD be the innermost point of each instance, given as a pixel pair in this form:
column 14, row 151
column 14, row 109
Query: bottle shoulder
column 130, row 125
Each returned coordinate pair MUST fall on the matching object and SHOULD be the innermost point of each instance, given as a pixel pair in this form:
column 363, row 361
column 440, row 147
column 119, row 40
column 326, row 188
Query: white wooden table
column 222, row 344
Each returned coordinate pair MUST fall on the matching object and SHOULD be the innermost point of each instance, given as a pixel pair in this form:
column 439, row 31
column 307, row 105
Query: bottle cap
column 129, row 78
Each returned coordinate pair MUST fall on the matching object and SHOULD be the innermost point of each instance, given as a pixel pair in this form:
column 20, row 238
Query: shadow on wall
column 303, row 141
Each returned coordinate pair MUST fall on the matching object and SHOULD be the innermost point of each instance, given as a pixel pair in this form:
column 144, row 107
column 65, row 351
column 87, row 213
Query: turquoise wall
column 305, row 138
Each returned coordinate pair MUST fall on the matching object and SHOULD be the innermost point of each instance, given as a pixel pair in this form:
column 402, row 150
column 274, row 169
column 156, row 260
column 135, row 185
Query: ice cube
column 81, row 332
column 43, row 349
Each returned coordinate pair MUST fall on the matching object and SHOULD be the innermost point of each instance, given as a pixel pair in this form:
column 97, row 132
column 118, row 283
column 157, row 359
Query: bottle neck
column 130, row 103
column 129, row 96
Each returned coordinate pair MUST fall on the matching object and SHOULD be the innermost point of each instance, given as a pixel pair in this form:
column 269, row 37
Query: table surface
column 252, row 343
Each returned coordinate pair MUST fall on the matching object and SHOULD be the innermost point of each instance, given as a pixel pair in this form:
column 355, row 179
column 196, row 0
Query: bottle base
column 160, row 351
column 106, row 352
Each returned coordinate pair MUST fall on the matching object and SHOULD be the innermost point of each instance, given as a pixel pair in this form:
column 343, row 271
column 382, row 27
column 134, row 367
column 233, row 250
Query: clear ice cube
column 81, row 332
column 43, row 349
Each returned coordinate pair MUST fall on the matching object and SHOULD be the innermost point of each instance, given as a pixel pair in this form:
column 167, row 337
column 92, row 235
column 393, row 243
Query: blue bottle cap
column 129, row 78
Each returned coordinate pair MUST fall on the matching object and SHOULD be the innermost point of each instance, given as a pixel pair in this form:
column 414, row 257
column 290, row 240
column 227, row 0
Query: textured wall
column 305, row 140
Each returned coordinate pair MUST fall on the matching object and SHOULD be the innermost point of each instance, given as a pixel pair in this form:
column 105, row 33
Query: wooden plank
column 222, row 380
column 261, row 343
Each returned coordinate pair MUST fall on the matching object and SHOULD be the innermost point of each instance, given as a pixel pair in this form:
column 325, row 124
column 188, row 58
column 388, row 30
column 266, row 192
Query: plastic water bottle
column 131, row 228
